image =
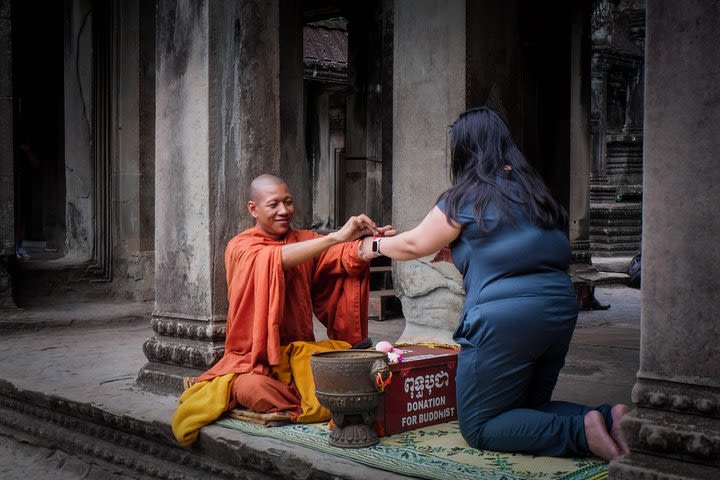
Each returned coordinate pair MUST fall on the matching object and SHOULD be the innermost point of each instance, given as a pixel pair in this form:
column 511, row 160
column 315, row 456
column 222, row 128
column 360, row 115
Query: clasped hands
column 363, row 226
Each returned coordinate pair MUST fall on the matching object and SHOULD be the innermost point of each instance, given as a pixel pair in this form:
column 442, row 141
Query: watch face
column 375, row 246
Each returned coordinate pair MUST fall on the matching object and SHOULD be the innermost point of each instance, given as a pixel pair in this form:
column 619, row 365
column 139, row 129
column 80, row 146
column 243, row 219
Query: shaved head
column 271, row 204
column 261, row 182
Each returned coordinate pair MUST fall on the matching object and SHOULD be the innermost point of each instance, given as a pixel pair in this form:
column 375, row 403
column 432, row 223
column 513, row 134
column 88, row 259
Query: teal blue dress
column 515, row 329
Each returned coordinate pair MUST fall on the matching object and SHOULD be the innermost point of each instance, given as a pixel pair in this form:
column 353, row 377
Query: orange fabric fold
column 269, row 307
column 295, row 370
column 200, row 405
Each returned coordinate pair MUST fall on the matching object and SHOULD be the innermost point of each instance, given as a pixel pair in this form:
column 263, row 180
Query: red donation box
column 422, row 390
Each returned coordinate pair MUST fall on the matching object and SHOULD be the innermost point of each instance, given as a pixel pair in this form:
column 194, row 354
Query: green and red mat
column 434, row 452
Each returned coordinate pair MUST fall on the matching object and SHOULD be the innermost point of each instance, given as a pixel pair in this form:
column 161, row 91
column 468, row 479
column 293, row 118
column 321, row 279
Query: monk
column 277, row 278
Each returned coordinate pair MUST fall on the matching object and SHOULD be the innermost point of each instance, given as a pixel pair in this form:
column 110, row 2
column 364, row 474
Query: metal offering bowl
column 346, row 384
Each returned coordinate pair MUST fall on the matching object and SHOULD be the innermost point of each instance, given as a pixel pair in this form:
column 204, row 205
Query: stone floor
column 87, row 361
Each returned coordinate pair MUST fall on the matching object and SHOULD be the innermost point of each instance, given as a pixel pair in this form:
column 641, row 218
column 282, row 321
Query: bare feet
column 617, row 412
column 598, row 439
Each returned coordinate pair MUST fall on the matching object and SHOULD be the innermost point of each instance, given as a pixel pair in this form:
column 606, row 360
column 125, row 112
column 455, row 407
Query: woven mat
column 436, row 452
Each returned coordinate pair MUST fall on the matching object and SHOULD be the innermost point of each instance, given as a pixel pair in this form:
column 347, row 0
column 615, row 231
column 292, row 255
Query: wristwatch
column 376, row 246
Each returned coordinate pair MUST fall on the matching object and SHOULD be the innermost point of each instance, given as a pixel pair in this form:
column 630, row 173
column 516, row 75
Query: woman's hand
column 365, row 247
column 387, row 231
column 444, row 255
column 354, row 228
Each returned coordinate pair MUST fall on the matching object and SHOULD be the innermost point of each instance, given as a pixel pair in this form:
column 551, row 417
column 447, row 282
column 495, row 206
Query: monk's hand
column 444, row 255
column 355, row 228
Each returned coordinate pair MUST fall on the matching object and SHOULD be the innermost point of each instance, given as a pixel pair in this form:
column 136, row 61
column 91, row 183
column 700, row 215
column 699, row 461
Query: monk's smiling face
column 272, row 207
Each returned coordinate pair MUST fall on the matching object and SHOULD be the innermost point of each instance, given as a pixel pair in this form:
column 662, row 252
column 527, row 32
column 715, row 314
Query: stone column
column 133, row 173
column 598, row 82
column 674, row 431
column 78, row 123
column 217, row 126
column 427, row 98
column 7, row 171
column 580, row 158
column 583, row 273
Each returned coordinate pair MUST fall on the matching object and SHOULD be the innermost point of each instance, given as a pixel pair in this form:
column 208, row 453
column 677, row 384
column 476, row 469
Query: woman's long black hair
column 483, row 156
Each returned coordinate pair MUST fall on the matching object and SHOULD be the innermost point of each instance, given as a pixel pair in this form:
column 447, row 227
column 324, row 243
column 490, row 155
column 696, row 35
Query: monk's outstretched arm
column 294, row 254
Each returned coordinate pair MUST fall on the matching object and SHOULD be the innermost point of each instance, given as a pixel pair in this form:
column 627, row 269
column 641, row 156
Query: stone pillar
column 78, row 122
column 217, row 126
column 580, row 158
column 133, row 245
column 674, row 431
column 7, row 171
column 427, row 97
column 598, row 120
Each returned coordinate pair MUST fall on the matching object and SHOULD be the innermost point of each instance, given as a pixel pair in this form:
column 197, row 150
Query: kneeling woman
column 500, row 226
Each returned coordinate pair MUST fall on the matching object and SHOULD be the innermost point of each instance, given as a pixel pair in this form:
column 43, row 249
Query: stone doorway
column 38, row 143
column 83, row 148
column 616, row 125
column 348, row 104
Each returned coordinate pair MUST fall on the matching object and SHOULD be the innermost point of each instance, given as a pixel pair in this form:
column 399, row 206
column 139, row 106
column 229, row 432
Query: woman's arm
column 431, row 235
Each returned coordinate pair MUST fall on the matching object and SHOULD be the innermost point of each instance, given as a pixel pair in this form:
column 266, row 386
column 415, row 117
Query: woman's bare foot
column 598, row 439
column 617, row 412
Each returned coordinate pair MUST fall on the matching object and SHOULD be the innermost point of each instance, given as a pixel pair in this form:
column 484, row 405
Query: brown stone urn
column 349, row 383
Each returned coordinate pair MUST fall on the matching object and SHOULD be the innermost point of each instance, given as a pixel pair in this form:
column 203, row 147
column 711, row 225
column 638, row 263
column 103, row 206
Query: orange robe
column 270, row 308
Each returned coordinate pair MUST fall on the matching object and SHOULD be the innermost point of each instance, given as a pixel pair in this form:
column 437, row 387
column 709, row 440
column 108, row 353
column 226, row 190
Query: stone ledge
column 683, row 398
column 144, row 448
column 603, row 278
column 682, row 437
column 637, row 466
column 616, row 264
column 136, row 457
column 82, row 314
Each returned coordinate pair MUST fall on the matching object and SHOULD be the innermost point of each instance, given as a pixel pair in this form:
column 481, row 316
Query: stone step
column 601, row 196
column 382, row 293
column 54, row 282
column 616, row 251
column 618, row 233
column 617, row 264
column 384, row 268
column 616, row 210
column 605, row 236
column 129, row 447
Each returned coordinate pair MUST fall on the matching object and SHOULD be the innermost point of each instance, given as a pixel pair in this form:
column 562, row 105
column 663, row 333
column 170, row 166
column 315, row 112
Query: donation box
column 421, row 392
